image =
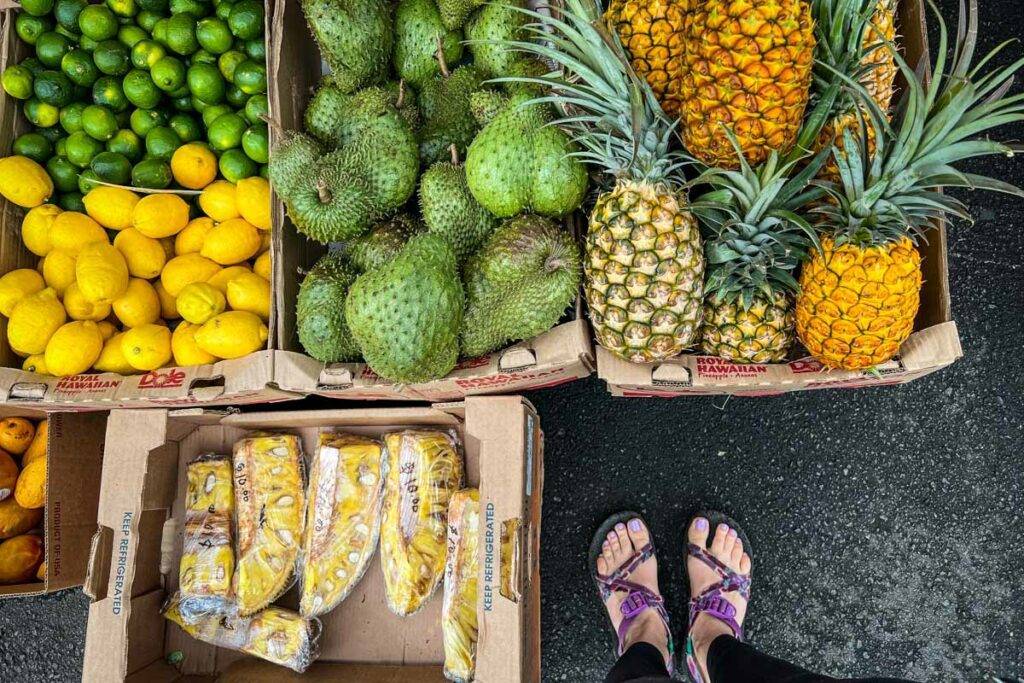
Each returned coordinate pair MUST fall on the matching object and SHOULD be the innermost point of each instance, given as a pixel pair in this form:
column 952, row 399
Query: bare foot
column 728, row 549
column 616, row 550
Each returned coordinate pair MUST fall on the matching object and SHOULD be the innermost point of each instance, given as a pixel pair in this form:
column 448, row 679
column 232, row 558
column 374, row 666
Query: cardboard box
column 231, row 382
column 134, row 559
column 933, row 345
column 75, row 461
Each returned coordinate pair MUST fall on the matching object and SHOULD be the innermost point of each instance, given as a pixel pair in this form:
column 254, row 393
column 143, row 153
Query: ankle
column 704, row 632
column 647, row 628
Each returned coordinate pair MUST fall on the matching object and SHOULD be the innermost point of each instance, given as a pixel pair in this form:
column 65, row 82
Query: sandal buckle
column 635, row 603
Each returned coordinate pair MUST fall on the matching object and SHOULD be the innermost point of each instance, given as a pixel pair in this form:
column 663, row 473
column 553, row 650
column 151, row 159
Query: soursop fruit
column 382, row 243
column 330, row 105
column 490, row 24
column 332, row 200
column 455, row 12
column 293, row 155
column 355, row 39
column 448, row 119
column 320, row 313
column 417, row 24
column 450, row 211
column 520, row 284
column 406, row 315
column 518, row 163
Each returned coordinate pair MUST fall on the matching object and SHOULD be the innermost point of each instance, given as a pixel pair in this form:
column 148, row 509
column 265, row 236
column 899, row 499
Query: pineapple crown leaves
column 894, row 192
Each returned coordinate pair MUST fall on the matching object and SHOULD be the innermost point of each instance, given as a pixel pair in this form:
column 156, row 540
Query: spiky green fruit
column 455, row 12
column 292, row 157
column 520, row 284
column 383, row 242
column 450, row 211
column 320, row 311
column 355, row 38
column 332, row 200
column 329, row 106
column 447, row 116
column 500, row 21
column 417, row 23
column 484, row 105
column 406, row 315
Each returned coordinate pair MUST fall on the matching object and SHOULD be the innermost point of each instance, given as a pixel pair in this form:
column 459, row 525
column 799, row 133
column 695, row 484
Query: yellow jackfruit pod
column 424, row 470
column 269, row 505
column 458, row 612
column 346, row 490
column 208, row 555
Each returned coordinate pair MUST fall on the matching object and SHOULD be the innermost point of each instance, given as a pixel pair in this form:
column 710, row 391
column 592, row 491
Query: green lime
column 51, row 48
column 40, row 113
column 153, row 5
column 226, row 132
column 228, row 62
column 99, row 122
column 87, row 44
column 181, row 34
column 223, row 9
column 34, row 146
column 256, row 49
column 184, row 104
column 256, row 108
column 235, row 97
column 81, row 148
column 17, row 81
column 214, row 35
column 29, row 28
column 160, row 31
column 265, row 171
column 213, row 112
column 107, row 91
column 187, row 128
column 251, row 77
column 256, row 143
column 246, row 19
column 60, row 148
column 34, row 66
column 87, row 180
column 148, row 20
column 131, row 35
column 97, row 22
column 183, row 91
column 168, row 73
column 53, row 87
column 79, row 67
column 198, row 105
column 112, row 167
column 67, row 11
column 201, row 56
column 72, row 201
column 71, row 117
column 206, row 83
column 74, row 36
column 123, row 8
column 52, row 134
column 37, row 8
column 126, row 142
column 146, row 53
column 143, row 121
column 112, row 57
column 140, row 89
column 161, row 142
column 152, row 173
column 64, row 174
column 234, row 165
column 193, row 7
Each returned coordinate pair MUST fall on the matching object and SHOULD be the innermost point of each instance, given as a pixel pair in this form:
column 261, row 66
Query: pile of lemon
column 137, row 283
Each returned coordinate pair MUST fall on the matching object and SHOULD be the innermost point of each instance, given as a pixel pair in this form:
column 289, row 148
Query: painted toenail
column 723, row 527
column 732, row 532
column 701, row 524
column 620, row 527
column 634, row 524
column 611, row 534
column 605, row 544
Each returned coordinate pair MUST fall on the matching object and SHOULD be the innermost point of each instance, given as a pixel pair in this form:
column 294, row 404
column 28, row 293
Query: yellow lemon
column 101, row 273
column 112, row 358
column 39, row 265
column 80, row 308
column 220, row 280
column 33, row 321
column 199, row 301
column 232, row 334
column 145, row 256
column 185, row 349
column 194, row 166
column 250, row 292
column 24, row 182
column 219, row 201
column 168, row 304
column 139, row 305
column 111, row 207
column 190, row 240
column 35, row 363
column 147, row 347
column 230, row 242
column 253, row 197
column 59, row 269
column 73, row 348
column 261, row 266
column 107, row 328
column 71, row 231
column 186, row 269
column 16, row 285
column 160, row 215
column 35, row 228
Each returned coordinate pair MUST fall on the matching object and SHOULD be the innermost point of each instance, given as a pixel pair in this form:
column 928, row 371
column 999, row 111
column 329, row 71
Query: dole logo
column 163, row 380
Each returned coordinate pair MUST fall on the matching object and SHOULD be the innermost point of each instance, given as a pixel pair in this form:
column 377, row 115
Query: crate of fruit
column 136, row 222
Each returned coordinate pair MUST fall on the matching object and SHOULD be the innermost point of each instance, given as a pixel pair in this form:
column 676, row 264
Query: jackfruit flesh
column 208, row 557
column 458, row 614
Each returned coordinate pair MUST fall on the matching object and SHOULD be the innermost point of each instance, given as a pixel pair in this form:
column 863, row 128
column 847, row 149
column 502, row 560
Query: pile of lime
column 115, row 88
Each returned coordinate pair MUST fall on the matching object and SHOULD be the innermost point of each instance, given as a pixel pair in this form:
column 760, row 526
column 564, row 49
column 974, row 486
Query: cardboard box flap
column 936, row 346
column 329, row 418
column 252, row 671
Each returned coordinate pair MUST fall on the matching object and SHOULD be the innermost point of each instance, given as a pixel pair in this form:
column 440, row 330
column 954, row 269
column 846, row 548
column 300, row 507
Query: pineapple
column 860, row 291
column 208, row 555
column 748, row 72
column 346, row 490
column 644, row 263
column 458, row 614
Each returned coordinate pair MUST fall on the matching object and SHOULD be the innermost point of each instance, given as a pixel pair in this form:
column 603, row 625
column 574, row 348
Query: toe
column 602, row 566
column 745, row 564
column 625, row 544
column 638, row 534
column 729, row 543
column 698, row 532
column 736, row 554
column 613, row 542
column 719, row 541
column 607, row 554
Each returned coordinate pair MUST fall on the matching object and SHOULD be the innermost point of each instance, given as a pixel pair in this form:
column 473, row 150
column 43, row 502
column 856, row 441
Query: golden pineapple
column 748, row 71
column 763, row 333
column 879, row 79
column 208, row 554
column 458, row 614
column 346, row 490
column 270, row 500
column 424, row 470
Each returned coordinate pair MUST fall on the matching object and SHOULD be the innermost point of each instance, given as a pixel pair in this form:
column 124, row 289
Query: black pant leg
column 730, row 661
column 641, row 662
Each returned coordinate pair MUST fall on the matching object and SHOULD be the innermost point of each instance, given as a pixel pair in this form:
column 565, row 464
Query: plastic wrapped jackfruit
column 458, row 614
column 424, row 470
column 346, row 489
column 269, row 501
column 208, row 554
column 275, row 634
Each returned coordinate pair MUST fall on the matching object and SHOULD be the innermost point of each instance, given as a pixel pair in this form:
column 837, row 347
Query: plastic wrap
column 275, row 634
column 269, row 501
column 208, row 554
column 458, row 614
column 424, row 470
column 346, row 490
